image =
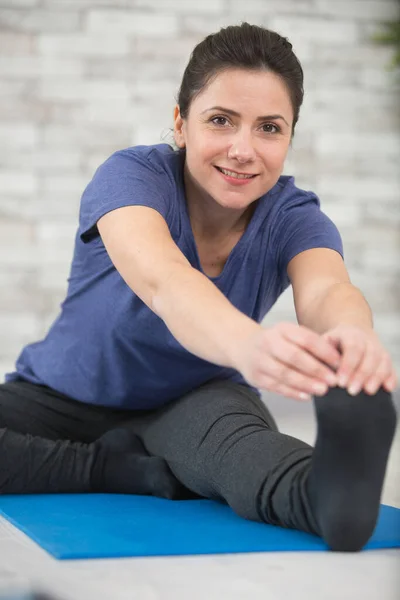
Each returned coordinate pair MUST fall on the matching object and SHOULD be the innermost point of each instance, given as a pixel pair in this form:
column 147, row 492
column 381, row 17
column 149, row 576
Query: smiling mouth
column 234, row 174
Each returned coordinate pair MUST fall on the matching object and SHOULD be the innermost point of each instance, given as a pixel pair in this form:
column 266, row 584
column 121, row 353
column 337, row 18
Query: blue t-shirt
column 106, row 347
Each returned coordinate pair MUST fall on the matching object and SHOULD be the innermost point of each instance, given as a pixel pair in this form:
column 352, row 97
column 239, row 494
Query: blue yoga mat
column 113, row 525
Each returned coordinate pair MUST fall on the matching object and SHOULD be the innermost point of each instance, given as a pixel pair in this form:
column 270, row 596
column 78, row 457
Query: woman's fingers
column 273, row 385
column 383, row 373
column 306, row 369
column 312, row 342
column 284, row 374
column 290, row 360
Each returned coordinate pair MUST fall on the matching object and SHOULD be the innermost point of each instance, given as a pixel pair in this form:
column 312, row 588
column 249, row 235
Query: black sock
column 122, row 466
column 348, row 466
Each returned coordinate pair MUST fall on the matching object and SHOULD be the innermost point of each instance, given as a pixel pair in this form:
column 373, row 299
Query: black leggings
column 219, row 441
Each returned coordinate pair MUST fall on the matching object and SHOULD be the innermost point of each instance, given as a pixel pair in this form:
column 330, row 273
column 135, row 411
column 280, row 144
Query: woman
column 148, row 381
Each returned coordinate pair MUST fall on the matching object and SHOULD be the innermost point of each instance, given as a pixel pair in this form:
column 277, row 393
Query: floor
column 370, row 575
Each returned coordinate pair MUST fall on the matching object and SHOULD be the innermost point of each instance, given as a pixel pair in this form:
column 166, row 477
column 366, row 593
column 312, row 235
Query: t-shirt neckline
column 236, row 250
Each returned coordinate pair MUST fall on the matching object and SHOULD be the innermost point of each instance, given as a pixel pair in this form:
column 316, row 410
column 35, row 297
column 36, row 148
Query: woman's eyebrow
column 236, row 114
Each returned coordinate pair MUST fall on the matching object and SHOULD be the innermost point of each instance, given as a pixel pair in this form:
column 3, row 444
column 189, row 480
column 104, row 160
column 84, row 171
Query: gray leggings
column 219, row 440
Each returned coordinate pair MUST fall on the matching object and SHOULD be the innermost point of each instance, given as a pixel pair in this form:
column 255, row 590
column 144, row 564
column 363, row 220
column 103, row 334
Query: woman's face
column 249, row 133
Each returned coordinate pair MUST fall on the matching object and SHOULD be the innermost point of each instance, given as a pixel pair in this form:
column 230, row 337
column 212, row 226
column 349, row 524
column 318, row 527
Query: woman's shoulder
column 291, row 194
column 158, row 158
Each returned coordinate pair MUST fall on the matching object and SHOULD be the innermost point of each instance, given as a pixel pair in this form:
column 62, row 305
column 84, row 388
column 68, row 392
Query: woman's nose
column 242, row 148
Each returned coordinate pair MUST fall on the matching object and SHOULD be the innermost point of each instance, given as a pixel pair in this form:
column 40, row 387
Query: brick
column 383, row 295
column 82, row 4
column 32, row 67
column 54, row 277
column 22, row 109
column 81, row 44
column 326, row 118
column 108, row 113
column 374, row 78
column 55, row 240
column 19, row 3
column 387, row 262
column 42, row 161
column 19, row 253
column 316, row 29
column 56, row 161
column 147, row 90
column 19, row 67
column 376, row 237
column 154, row 70
column 388, row 168
column 16, row 330
column 18, row 278
column 380, row 10
column 55, row 232
column 14, row 206
column 365, row 53
column 12, row 229
column 65, row 183
column 85, row 137
column 388, row 324
column 202, row 26
column 38, row 20
column 146, row 134
column 350, row 144
column 19, row 136
column 110, row 68
column 207, row 7
column 15, row 43
column 349, row 98
column 254, row 8
column 350, row 214
column 153, row 46
column 56, row 206
column 17, row 298
column 57, row 66
column 359, row 190
column 17, row 182
column 10, row 88
column 80, row 90
column 138, row 23
column 62, row 112
column 382, row 212
column 334, row 77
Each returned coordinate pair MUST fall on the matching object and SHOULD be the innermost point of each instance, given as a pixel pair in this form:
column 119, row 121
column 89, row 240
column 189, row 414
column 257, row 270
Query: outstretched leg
column 221, row 442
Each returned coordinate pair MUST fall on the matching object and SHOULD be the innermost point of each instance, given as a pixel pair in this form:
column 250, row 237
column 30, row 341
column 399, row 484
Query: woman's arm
column 199, row 316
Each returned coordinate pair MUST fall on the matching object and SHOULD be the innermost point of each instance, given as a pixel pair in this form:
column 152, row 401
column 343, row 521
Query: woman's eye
column 216, row 118
column 272, row 125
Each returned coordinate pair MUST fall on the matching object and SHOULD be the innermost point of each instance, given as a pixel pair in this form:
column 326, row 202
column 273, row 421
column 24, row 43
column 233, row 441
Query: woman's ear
column 178, row 128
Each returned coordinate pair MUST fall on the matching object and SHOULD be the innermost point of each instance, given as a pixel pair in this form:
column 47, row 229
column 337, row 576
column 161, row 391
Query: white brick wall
column 80, row 79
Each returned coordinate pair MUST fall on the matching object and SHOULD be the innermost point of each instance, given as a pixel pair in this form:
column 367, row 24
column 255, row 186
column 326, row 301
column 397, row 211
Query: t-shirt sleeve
column 301, row 226
column 122, row 180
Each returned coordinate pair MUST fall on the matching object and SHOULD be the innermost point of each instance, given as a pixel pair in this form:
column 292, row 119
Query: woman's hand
column 365, row 364
column 289, row 359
